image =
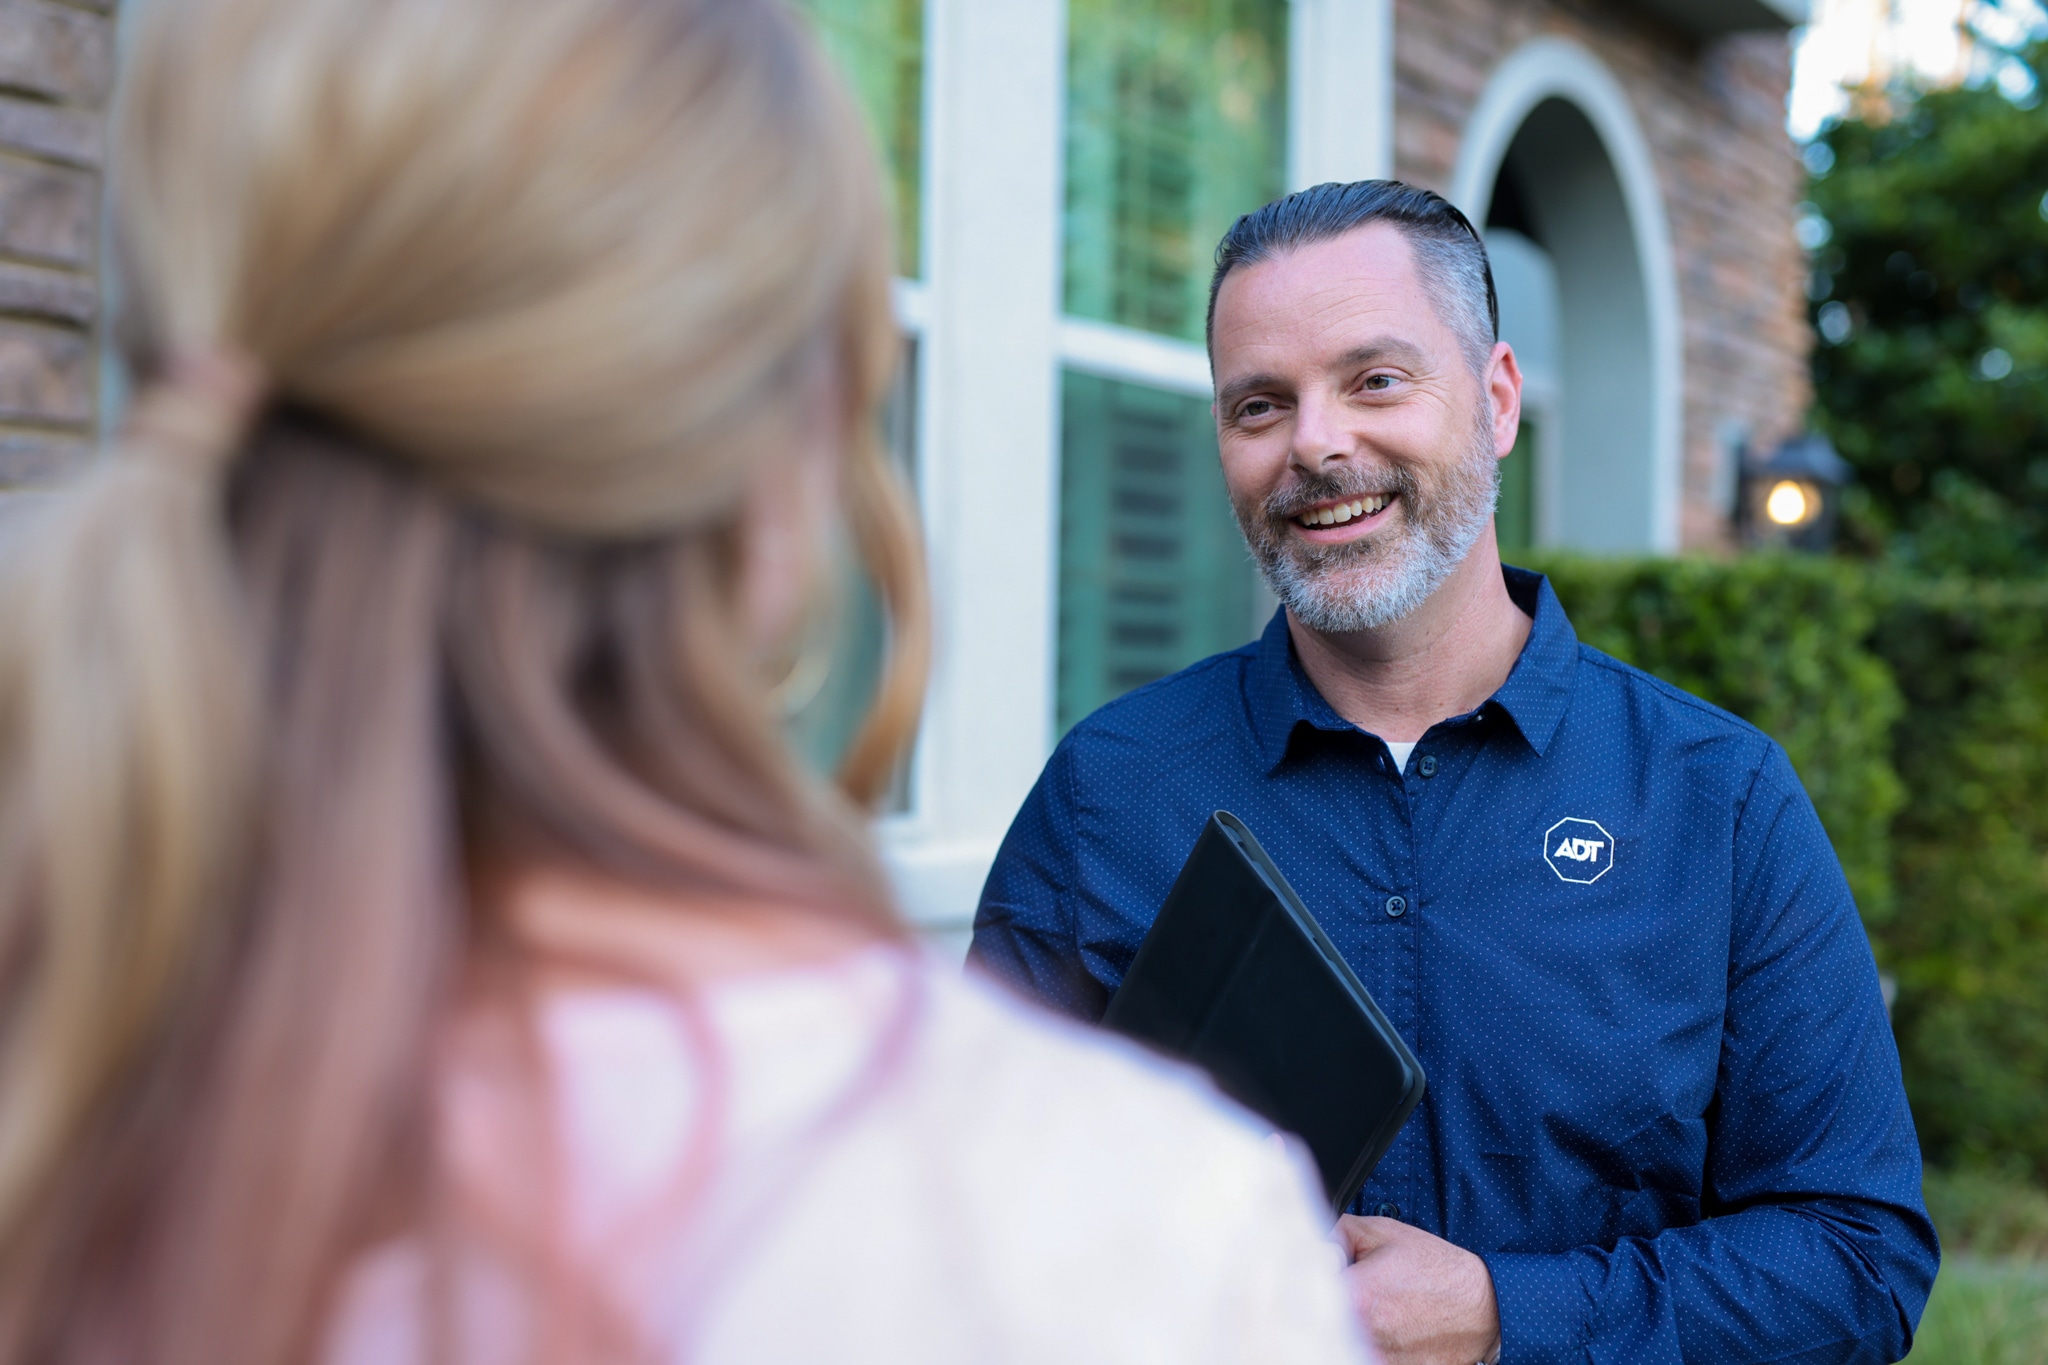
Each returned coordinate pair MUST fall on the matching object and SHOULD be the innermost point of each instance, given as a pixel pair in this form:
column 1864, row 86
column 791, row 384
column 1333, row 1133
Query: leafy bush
column 1970, row 863
column 1916, row 712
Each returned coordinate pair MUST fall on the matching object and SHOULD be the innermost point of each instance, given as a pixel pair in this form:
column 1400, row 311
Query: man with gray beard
column 1664, row 1119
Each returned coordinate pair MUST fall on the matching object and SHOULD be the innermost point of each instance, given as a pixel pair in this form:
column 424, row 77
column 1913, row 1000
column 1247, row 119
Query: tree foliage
column 1930, row 294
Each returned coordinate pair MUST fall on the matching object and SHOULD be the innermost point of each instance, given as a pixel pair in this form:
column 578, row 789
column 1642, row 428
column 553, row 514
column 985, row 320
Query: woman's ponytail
column 127, row 707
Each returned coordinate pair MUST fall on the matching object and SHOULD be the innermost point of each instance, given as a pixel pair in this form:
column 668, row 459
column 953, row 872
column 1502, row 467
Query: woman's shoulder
column 1127, row 1182
column 1065, row 1098
column 984, row 1039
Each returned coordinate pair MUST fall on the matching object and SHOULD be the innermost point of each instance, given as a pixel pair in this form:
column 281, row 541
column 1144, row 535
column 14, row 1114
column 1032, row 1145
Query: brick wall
column 1714, row 117
column 56, row 68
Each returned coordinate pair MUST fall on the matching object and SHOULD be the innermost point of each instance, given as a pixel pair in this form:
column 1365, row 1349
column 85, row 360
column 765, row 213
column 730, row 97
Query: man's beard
column 1372, row 582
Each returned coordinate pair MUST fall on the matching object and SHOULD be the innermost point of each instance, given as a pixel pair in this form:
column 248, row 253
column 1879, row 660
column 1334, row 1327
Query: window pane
column 1176, row 124
column 1153, row 573
column 828, row 696
column 879, row 45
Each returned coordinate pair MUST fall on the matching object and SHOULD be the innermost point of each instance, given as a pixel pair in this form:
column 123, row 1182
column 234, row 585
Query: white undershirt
column 1400, row 751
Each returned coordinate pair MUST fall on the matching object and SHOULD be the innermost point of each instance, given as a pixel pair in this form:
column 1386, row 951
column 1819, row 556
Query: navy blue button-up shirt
column 1664, row 1102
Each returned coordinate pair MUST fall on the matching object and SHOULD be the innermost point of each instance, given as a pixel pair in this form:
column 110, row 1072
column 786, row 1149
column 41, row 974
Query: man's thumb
column 1358, row 1236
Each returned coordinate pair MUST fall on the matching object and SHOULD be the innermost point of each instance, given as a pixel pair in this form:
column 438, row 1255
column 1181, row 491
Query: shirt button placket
column 1400, row 955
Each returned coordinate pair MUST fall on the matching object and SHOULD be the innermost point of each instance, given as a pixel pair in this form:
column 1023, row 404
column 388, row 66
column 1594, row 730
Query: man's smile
column 1331, row 523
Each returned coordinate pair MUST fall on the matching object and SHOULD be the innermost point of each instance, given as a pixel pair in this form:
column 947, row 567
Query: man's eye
column 1258, row 407
column 1377, row 383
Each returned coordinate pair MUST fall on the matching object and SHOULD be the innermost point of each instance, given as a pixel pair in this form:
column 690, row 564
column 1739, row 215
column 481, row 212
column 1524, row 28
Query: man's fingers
column 1359, row 1236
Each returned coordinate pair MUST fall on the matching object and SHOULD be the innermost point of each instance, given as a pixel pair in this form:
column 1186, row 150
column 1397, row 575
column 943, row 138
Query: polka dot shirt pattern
column 1664, row 1103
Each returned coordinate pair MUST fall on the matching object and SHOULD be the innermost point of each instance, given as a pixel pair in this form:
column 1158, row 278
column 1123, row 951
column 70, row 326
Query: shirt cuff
column 1542, row 1307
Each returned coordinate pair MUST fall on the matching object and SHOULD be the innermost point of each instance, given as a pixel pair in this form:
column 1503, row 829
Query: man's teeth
column 1343, row 512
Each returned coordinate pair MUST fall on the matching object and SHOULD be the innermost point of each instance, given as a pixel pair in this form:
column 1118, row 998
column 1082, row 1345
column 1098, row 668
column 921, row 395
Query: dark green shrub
column 1969, row 943
column 1916, row 712
column 1781, row 642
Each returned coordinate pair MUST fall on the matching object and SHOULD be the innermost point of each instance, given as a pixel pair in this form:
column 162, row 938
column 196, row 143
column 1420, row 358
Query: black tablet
column 1237, row 977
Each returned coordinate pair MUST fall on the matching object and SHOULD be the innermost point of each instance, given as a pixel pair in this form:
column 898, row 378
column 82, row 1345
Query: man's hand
column 1422, row 1301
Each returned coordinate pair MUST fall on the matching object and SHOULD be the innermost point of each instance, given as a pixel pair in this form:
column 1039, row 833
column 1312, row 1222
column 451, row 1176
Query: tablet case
column 1237, row 977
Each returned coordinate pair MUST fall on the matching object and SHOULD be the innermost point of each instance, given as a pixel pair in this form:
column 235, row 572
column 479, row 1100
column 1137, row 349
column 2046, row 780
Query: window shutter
column 1153, row 573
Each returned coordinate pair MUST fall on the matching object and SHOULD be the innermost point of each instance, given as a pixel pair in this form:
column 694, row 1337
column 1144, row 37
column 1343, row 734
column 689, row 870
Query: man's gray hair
column 1449, row 256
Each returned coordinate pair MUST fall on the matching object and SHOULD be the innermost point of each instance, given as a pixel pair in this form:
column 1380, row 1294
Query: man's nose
column 1321, row 435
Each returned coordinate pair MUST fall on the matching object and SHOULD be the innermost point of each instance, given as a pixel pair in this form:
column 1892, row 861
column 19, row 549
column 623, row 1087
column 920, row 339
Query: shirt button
column 1426, row 765
column 1383, row 1209
column 1397, row 906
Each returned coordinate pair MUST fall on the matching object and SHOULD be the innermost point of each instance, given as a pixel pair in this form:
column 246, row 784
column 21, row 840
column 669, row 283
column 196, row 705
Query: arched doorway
column 1556, row 170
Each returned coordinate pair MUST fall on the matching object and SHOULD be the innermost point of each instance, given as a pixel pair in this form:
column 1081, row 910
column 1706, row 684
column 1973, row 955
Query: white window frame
column 992, row 344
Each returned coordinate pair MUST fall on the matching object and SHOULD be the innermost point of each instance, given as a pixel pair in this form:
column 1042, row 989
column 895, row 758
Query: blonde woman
column 419, row 941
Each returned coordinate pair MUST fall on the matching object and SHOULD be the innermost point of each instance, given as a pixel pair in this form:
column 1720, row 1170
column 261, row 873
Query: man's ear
column 1504, row 389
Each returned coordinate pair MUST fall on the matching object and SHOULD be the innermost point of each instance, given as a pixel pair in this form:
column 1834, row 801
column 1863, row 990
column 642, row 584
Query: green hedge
column 1970, row 860
column 1917, row 714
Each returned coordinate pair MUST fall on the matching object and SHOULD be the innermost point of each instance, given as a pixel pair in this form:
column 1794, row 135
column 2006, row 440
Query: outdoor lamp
column 1790, row 497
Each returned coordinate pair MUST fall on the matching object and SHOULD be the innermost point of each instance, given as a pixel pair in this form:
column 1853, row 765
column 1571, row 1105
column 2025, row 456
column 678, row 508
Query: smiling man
column 1664, row 1118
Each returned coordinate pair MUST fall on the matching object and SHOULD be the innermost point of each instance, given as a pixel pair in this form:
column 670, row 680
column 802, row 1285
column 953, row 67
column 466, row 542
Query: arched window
column 1555, row 167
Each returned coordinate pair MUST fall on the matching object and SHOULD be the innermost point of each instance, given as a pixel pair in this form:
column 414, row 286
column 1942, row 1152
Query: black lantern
column 1790, row 497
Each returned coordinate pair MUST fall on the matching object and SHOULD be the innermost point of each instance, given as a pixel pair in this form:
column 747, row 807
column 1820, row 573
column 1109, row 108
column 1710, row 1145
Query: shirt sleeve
column 1024, row 928
column 1816, row 1246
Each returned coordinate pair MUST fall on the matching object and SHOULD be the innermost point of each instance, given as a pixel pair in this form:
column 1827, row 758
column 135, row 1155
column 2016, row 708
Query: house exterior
column 56, row 67
column 1061, row 170
column 1074, row 163
column 1635, row 141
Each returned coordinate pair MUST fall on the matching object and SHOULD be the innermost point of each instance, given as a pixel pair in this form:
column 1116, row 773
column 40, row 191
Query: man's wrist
column 1491, row 1311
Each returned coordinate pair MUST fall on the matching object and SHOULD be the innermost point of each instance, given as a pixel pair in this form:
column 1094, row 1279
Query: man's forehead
column 1324, row 294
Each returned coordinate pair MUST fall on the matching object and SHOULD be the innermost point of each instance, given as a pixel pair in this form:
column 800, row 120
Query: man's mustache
column 1304, row 491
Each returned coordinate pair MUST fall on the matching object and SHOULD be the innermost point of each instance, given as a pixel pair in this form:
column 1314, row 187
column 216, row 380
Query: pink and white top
column 911, row 1167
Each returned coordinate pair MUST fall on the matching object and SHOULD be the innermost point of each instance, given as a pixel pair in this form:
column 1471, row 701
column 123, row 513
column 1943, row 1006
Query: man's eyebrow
column 1251, row 383
column 1382, row 349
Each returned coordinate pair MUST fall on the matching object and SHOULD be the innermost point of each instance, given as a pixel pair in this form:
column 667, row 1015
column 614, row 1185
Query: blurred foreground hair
column 460, row 325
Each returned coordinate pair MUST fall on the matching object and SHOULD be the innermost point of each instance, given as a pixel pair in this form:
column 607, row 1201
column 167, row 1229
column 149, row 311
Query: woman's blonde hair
column 461, row 326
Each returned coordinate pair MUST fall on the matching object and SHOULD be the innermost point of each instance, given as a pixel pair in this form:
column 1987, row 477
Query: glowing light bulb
column 1787, row 504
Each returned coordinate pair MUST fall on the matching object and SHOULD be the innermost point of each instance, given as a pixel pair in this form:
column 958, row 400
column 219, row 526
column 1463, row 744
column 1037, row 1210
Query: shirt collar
column 1534, row 696
column 1539, row 686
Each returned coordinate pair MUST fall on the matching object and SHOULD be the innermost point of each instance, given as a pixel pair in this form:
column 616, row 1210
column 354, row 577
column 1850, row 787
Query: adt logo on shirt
column 1579, row 851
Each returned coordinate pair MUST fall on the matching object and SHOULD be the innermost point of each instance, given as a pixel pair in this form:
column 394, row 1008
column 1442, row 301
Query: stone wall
column 1714, row 117
column 56, row 68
